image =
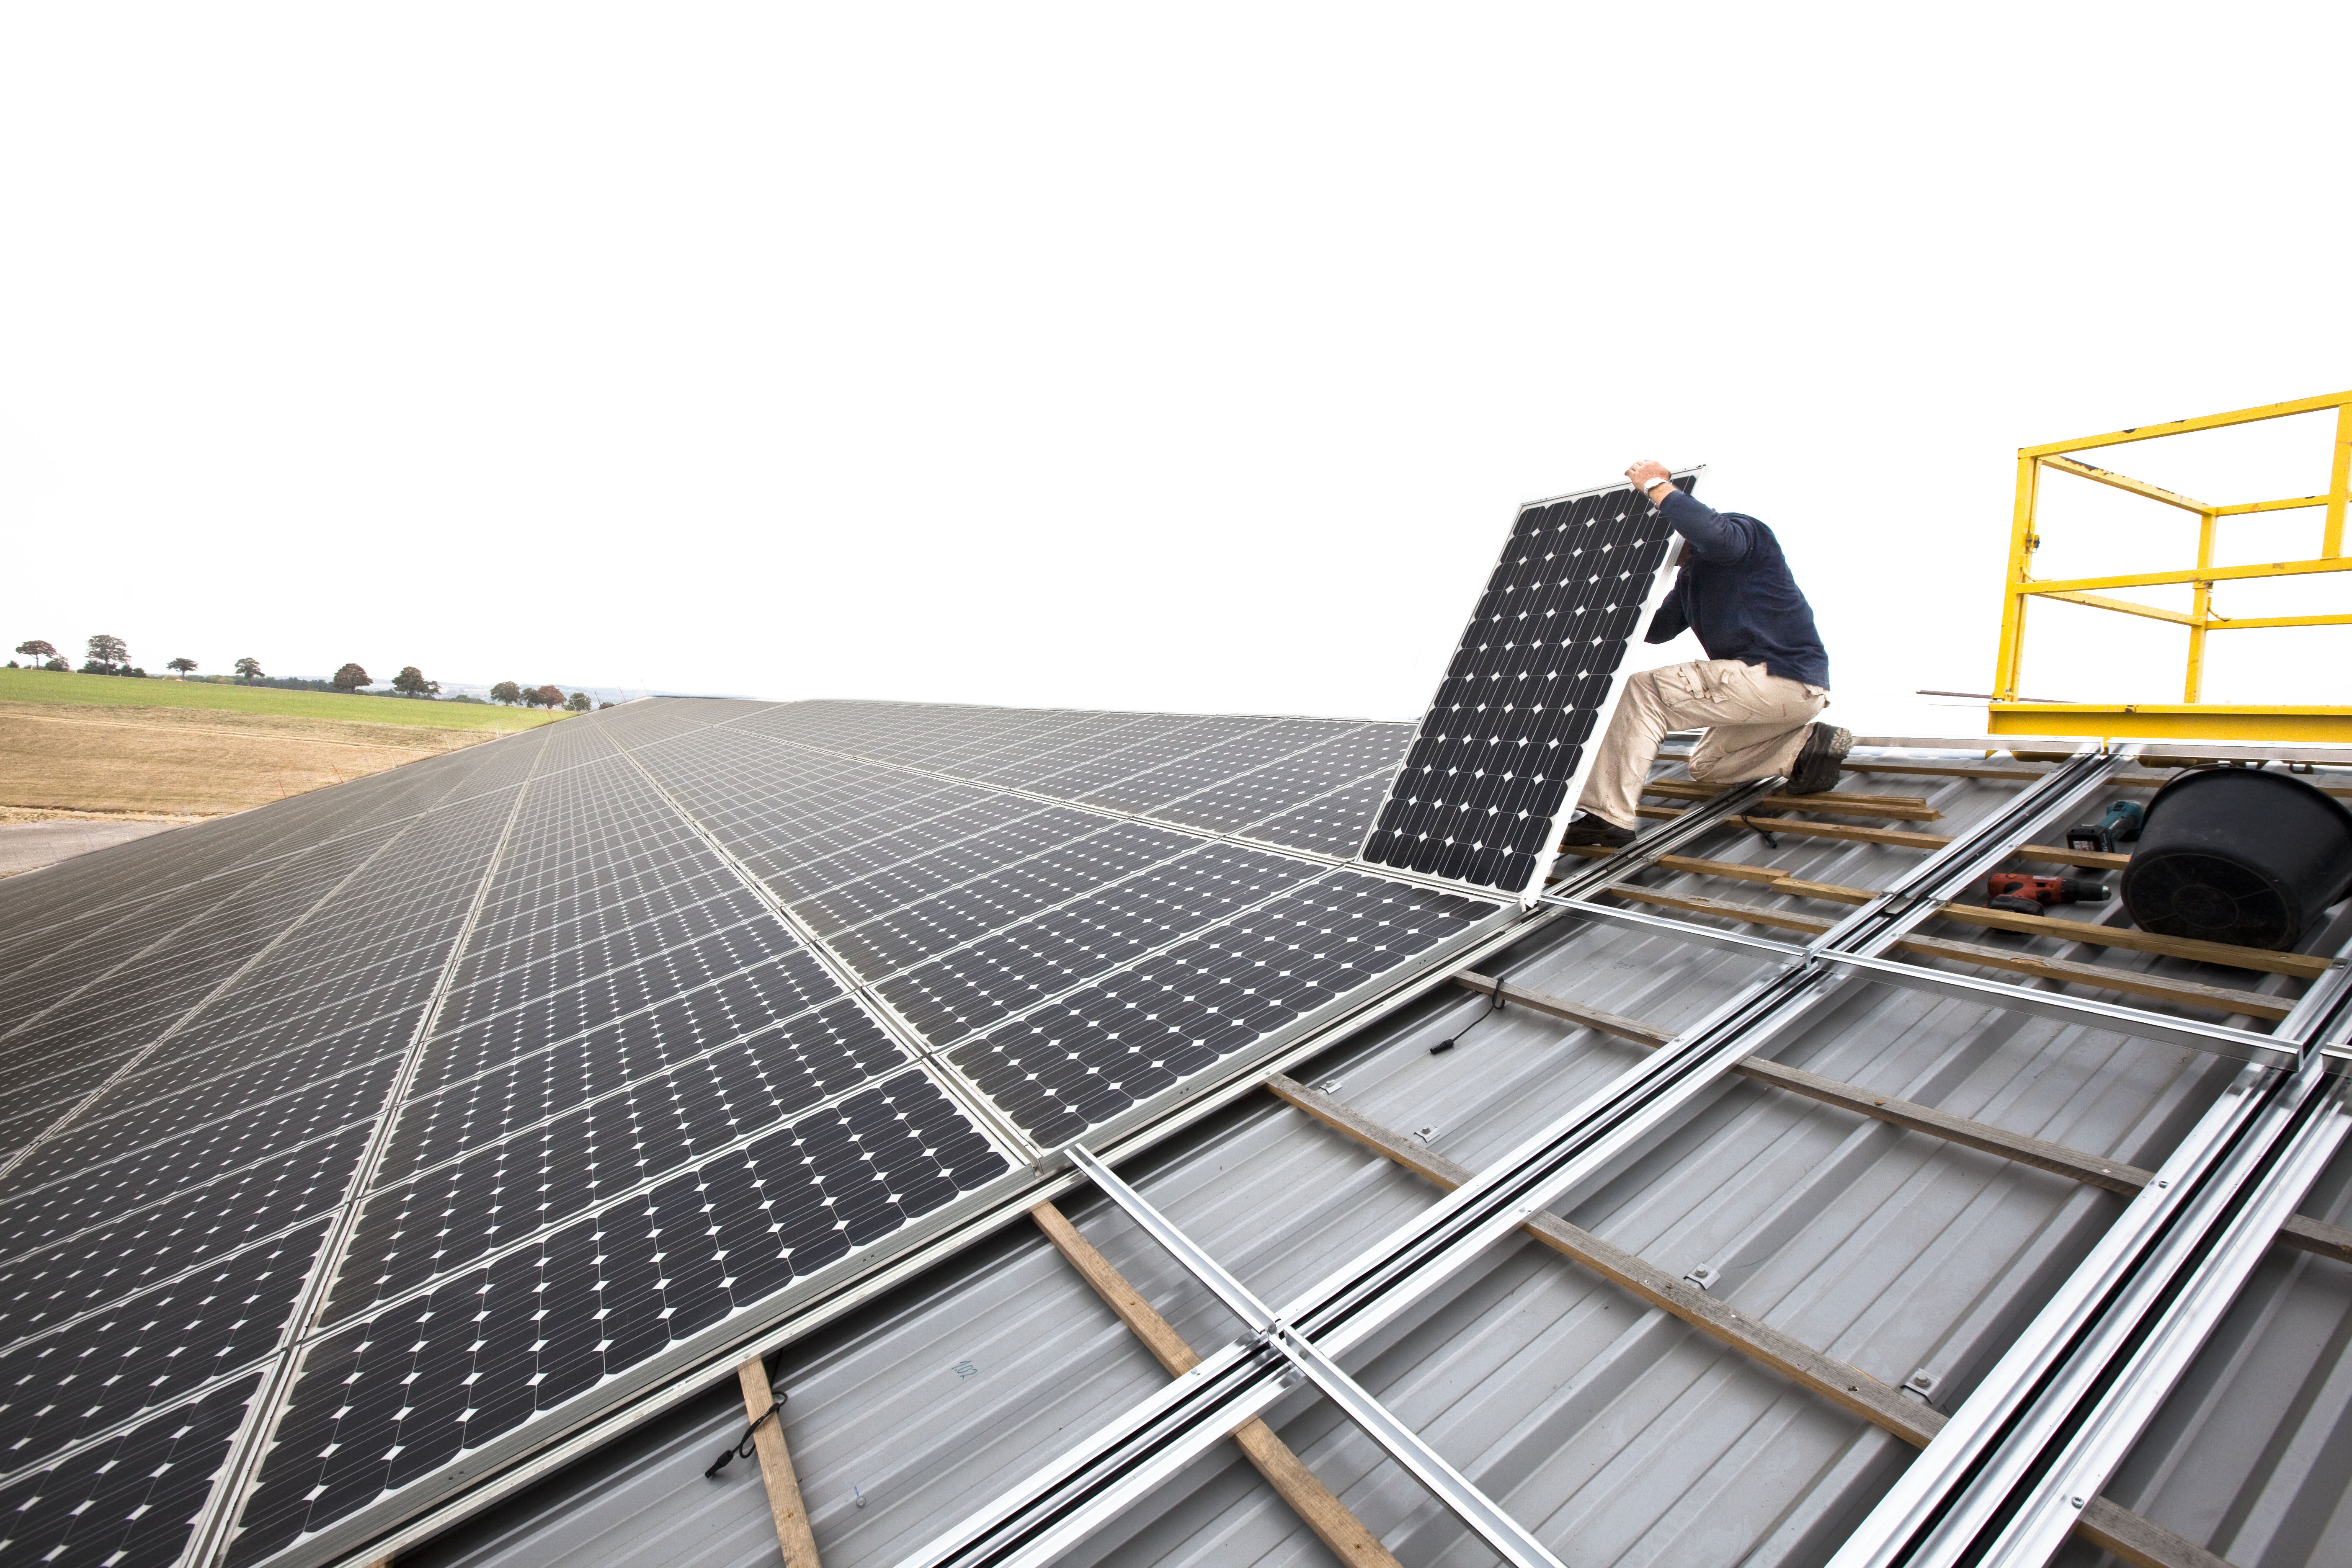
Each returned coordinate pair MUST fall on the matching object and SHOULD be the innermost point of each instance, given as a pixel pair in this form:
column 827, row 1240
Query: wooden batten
column 784, row 1501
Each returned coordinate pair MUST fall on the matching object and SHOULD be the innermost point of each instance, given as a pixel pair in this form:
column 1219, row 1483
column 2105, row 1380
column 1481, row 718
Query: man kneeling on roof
column 1765, row 676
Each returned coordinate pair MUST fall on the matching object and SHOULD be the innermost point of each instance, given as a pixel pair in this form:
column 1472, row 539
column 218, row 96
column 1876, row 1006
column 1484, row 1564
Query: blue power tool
column 2120, row 825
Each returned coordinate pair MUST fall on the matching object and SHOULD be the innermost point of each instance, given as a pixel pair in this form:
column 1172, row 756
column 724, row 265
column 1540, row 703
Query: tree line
column 108, row 655
column 540, row 696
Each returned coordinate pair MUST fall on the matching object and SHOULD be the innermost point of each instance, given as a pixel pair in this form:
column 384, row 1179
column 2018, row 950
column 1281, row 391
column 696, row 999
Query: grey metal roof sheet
column 2253, row 1453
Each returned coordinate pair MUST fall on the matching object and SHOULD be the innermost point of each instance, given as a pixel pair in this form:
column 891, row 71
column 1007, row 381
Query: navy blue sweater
column 1735, row 591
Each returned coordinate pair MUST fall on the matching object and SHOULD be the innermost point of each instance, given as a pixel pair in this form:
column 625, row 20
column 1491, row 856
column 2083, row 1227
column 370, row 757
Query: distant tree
column 38, row 652
column 601, row 706
column 248, row 669
column 578, row 702
column 184, row 666
column 411, row 682
column 506, row 691
column 106, row 652
column 350, row 678
column 550, row 697
column 57, row 663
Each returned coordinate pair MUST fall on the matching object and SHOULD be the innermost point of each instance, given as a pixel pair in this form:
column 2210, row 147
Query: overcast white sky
column 1192, row 358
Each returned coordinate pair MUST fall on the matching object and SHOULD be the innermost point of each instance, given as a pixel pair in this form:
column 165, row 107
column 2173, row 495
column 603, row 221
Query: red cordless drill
column 2021, row 894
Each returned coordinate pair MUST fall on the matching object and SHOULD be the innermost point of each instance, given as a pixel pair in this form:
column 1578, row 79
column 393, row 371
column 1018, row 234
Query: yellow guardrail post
column 2201, row 611
column 2331, row 533
column 2021, row 556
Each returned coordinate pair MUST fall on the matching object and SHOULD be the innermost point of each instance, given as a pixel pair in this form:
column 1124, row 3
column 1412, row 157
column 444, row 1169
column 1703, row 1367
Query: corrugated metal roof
column 2253, row 1454
column 1621, row 1434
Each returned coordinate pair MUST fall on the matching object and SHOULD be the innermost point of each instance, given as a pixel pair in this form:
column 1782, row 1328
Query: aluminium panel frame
column 1661, row 583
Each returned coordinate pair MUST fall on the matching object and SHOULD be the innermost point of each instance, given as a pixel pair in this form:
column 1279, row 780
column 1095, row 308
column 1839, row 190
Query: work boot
column 1591, row 829
column 1815, row 771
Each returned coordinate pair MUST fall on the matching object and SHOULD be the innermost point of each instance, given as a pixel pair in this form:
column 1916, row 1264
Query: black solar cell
column 901, row 838
column 716, row 983
column 125, row 990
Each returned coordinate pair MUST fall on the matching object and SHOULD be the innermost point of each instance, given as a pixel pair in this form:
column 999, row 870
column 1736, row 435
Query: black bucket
column 2239, row 855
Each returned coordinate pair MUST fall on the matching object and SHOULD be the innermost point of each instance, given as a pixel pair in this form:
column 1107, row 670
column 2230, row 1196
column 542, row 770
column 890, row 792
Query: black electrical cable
column 745, row 1446
column 1443, row 1046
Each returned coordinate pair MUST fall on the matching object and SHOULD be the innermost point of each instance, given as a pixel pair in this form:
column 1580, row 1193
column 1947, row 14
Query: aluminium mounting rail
column 1093, row 1482
column 2006, row 1479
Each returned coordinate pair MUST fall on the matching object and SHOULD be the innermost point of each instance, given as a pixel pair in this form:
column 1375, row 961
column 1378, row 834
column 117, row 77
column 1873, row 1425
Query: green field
column 119, row 692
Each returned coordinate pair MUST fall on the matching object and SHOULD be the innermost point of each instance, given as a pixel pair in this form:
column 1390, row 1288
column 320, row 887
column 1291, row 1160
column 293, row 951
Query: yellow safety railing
column 2190, row 718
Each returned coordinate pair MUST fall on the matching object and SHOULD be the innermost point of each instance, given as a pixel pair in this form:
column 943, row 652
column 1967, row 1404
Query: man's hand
column 1647, row 475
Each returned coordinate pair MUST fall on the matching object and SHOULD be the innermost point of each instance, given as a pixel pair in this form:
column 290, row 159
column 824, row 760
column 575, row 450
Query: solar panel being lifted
column 365, row 1144
column 1496, row 764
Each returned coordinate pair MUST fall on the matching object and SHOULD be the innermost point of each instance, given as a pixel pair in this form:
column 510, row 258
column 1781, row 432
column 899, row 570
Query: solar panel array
column 375, row 1135
column 1497, row 763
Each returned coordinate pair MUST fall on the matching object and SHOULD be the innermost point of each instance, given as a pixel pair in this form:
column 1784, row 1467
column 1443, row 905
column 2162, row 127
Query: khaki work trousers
column 1755, row 725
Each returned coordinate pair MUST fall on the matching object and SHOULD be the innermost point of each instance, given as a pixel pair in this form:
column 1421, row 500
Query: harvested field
column 68, row 760
column 114, row 691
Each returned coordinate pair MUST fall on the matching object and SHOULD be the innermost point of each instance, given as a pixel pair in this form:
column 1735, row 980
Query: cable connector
column 745, row 1446
column 1443, row 1046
